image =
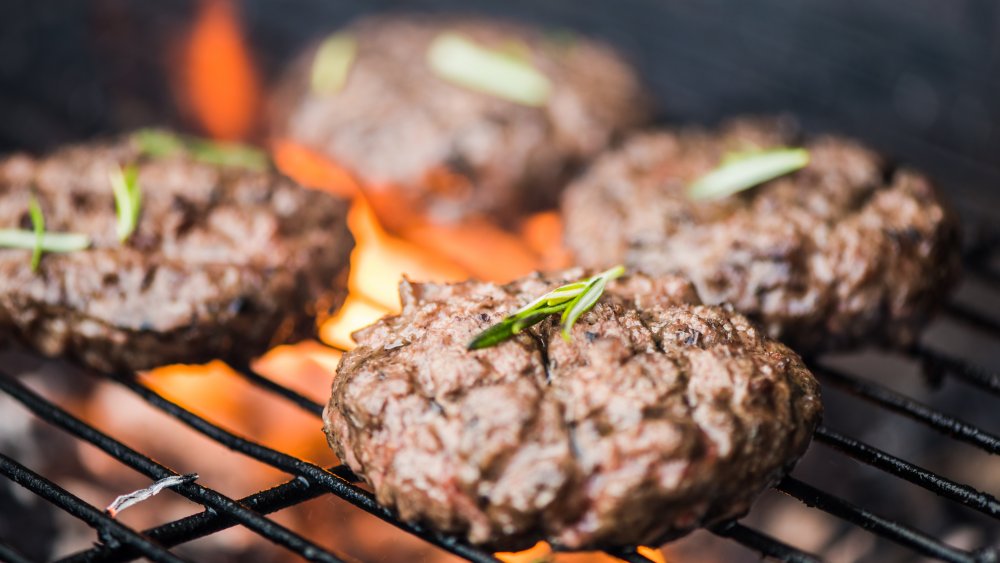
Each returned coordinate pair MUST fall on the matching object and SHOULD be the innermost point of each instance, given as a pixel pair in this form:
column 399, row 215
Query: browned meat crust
column 847, row 251
column 225, row 261
column 659, row 416
column 449, row 150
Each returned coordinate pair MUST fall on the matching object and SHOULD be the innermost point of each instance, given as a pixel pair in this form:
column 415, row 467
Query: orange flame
column 221, row 85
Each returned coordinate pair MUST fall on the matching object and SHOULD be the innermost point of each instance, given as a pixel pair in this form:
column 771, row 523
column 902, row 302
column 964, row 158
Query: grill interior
column 849, row 82
column 118, row 542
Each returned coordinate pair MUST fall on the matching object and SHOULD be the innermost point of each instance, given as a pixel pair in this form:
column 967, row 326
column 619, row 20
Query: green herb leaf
column 38, row 223
column 741, row 171
column 572, row 300
column 128, row 200
column 332, row 63
column 493, row 335
column 581, row 305
column 496, row 72
column 158, row 143
column 228, row 154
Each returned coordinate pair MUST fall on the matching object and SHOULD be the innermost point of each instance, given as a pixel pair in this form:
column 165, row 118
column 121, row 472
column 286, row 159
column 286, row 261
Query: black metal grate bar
column 294, row 466
column 886, row 528
column 109, row 529
column 939, row 364
column 252, row 520
column 630, row 555
column 11, row 555
column 303, row 402
column 973, row 318
column 964, row 494
column 944, row 423
column 763, row 543
column 210, row 521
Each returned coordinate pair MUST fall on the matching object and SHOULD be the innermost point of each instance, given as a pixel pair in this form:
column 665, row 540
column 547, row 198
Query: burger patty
column 449, row 150
column 844, row 252
column 658, row 416
column 225, row 261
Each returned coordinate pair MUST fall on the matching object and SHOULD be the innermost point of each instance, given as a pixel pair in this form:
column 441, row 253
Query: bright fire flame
column 221, row 85
column 221, row 88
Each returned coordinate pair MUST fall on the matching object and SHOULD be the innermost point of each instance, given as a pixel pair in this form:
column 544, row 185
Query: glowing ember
column 221, row 85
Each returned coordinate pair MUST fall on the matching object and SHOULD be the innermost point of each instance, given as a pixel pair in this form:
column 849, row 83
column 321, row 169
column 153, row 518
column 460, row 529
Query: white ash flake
column 125, row 501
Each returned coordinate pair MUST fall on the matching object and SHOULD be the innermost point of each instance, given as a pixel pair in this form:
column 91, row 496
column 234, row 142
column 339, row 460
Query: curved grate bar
column 963, row 494
column 193, row 491
column 811, row 496
column 944, row 423
column 109, row 529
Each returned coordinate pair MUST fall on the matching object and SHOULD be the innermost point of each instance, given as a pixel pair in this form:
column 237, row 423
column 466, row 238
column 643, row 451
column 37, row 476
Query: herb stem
column 49, row 242
column 572, row 300
column 128, row 200
column 38, row 223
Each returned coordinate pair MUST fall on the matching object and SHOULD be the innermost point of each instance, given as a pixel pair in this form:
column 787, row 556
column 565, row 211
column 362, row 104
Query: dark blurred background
column 916, row 79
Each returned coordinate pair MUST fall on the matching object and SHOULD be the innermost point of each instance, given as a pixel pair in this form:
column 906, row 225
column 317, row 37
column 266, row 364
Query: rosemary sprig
column 572, row 300
column 333, row 63
column 497, row 72
column 744, row 170
column 158, row 143
column 128, row 199
column 38, row 241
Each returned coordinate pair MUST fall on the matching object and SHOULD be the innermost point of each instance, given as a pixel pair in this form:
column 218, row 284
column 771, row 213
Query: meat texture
column 446, row 149
column 658, row 416
column 845, row 252
column 225, row 261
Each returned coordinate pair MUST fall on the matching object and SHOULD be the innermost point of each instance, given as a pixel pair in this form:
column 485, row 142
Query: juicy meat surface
column 449, row 150
column 658, row 416
column 844, row 252
column 224, row 262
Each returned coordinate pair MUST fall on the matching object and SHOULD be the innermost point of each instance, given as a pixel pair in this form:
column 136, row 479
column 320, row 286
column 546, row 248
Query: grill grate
column 118, row 542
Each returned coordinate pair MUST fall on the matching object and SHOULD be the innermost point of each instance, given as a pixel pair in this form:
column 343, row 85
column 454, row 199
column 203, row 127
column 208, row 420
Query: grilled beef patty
column 449, row 150
column 846, row 251
column 225, row 261
column 660, row 415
